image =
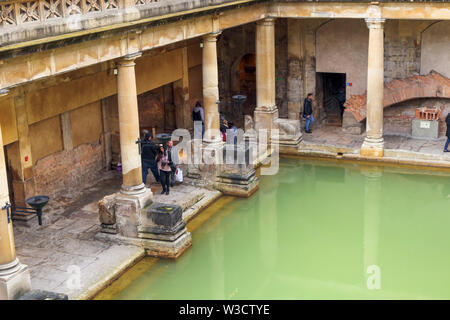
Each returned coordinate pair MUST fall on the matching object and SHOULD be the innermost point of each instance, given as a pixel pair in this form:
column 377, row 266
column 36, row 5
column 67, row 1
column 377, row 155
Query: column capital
column 128, row 60
column 266, row 22
column 375, row 23
column 212, row 37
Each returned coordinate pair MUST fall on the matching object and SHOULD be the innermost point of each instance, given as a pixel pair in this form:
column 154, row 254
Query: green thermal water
column 317, row 231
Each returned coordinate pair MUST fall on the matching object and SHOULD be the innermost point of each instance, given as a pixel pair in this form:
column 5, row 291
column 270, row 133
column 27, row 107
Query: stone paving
column 334, row 137
column 66, row 245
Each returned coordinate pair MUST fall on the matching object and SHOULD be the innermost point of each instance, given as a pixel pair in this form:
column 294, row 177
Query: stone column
column 374, row 144
column 266, row 110
column 129, row 126
column 14, row 277
column 211, row 89
column 295, row 87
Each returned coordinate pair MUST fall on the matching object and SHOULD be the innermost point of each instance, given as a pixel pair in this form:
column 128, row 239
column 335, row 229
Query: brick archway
column 433, row 85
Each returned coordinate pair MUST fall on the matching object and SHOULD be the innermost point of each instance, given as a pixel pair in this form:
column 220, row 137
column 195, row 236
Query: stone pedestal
column 236, row 175
column 43, row 295
column 265, row 119
column 289, row 135
column 164, row 231
column 14, row 280
column 425, row 129
column 351, row 125
column 119, row 213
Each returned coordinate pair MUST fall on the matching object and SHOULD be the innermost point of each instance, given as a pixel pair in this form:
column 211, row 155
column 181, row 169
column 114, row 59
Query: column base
column 372, row 148
column 133, row 190
column 289, row 136
column 14, row 280
column 265, row 118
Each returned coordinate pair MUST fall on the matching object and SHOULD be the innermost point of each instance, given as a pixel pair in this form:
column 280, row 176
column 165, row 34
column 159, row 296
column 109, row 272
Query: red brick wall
column 398, row 118
column 65, row 171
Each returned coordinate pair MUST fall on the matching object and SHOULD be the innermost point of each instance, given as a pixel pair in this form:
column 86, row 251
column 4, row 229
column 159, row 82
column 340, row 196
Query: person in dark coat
column 149, row 150
column 447, row 122
column 308, row 112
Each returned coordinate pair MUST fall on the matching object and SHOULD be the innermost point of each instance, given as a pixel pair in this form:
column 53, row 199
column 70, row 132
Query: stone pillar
column 121, row 213
column 211, row 90
column 374, row 144
column 24, row 181
column 295, row 88
column 129, row 126
column 266, row 110
column 181, row 96
column 14, row 277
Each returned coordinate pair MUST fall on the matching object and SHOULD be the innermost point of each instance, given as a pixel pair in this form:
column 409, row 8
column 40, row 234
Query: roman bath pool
column 316, row 230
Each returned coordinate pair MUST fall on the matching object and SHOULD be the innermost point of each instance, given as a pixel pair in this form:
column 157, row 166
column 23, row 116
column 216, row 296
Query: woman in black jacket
column 447, row 121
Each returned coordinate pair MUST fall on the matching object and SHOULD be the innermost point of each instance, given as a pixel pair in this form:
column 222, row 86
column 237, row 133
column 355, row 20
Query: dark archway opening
column 334, row 94
column 244, row 84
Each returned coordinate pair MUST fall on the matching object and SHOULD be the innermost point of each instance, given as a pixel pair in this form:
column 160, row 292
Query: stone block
column 351, row 125
column 163, row 230
column 43, row 295
column 15, row 281
column 426, row 129
column 106, row 210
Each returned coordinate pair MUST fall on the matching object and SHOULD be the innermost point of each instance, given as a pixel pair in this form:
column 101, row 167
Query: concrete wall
column 436, row 49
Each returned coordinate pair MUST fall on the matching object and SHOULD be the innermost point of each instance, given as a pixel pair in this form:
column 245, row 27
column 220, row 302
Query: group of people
column 198, row 114
column 158, row 158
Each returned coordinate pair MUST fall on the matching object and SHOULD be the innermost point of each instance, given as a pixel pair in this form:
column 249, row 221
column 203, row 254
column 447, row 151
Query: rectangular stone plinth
column 425, row 129
column 14, row 285
column 167, row 249
column 238, row 190
column 163, row 230
column 265, row 119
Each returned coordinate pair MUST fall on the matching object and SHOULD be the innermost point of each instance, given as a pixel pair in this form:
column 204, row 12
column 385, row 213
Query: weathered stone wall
column 281, row 67
column 66, row 171
column 401, row 49
column 436, row 49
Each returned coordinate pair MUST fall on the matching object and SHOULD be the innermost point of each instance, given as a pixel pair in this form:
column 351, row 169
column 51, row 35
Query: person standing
column 148, row 156
column 308, row 112
column 447, row 122
column 164, row 169
column 172, row 164
column 199, row 115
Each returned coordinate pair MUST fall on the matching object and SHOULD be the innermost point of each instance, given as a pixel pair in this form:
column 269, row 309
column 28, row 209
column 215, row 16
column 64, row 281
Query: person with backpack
column 149, row 150
column 199, row 115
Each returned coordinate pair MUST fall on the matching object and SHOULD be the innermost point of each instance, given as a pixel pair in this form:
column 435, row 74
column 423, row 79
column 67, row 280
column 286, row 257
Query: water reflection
column 372, row 203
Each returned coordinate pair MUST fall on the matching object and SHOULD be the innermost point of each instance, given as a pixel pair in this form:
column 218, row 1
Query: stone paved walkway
column 331, row 136
column 65, row 244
